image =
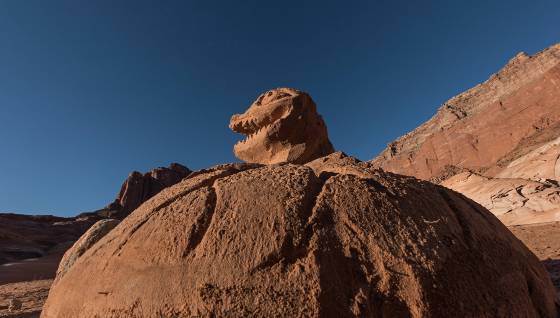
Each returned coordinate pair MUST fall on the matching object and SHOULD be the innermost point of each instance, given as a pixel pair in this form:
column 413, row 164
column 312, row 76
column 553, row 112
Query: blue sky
column 91, row 90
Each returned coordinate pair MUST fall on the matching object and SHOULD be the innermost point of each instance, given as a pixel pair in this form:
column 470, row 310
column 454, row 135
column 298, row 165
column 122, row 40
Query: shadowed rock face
column 139, row 187
column 332, row 238
column 282, row 125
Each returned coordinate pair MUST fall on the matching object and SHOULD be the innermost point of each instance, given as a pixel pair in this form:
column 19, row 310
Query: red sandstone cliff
column 488, row 126
column 498, row 143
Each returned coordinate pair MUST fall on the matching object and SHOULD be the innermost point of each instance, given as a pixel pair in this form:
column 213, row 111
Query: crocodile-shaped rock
column 282, row 125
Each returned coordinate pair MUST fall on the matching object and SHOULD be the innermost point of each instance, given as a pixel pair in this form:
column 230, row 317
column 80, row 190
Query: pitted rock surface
column 86, row 241
column 282, row 125
column 334, row 238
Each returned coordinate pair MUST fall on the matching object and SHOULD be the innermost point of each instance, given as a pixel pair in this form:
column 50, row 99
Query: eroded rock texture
column 334, row 238
column 507, row 128
column 513, row 200
column 86, row 241
column 282, row 125
column 478, row 128
column 139, row 187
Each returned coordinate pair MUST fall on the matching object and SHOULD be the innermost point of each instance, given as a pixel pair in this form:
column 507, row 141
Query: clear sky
column 91, row 90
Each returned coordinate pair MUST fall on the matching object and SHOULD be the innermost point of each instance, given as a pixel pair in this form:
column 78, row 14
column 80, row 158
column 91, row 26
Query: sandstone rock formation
column 31, row 245
column 282, row 125
column 139, row 187
column 508, row 128
column 334, row 238
column 513, row 200
column 544, row 240
column 14, row 305
column 484, row 125
column 86, row 241
column 541, row 164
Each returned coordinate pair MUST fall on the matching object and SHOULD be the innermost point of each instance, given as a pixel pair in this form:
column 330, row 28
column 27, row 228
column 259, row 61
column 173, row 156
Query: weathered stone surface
column 488, row 124
column 86, row 241
column 139, row 187
column 513, row 200
column 334, row 238
column 31, row 295
column 498, row 143
column 282, row 125
column 543, row 239
column 14, row 305
column 541, row 164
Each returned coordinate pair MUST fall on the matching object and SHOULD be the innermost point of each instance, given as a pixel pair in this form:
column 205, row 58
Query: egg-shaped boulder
column 331, row 238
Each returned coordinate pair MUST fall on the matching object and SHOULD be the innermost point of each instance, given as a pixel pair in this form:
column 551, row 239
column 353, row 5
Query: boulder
column 333, row 238
column 86, row 241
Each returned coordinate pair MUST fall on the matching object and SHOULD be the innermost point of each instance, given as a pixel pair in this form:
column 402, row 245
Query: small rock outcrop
column 333, row 238
column 86, row 241
column 138, row 188
column 282, row 125
column 14, row 305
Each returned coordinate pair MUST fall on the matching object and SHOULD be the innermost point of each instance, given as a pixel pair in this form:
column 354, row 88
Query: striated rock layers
column 139, row 187
column 508, row 128
column 478, row 129
column 33, row 236
column 333, row 238
column 282, row 125
column 514, row 201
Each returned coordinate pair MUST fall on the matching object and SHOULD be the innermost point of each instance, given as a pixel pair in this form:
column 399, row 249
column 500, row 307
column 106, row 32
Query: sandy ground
column 32, row 294
column 30, row 269
column 28, row 281
column 544, row 240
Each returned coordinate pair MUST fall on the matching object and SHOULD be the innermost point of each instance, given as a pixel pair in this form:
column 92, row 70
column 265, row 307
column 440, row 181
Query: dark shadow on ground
column 553, row 268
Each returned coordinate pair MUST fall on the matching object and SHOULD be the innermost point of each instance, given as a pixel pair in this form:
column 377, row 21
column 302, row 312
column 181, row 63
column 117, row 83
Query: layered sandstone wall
column 484, row 126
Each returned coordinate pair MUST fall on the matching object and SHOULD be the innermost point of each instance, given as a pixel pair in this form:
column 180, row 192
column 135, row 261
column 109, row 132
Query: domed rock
column 282, row 125
column 86, row 241
column 333, row 238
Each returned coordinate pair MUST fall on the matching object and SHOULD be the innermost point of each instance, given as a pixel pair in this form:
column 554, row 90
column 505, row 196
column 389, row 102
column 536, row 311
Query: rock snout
column 282, row 125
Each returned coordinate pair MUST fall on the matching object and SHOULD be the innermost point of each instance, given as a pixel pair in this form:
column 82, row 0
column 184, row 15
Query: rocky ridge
column 498, row 143
column 512, row 106
column 139, row 187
